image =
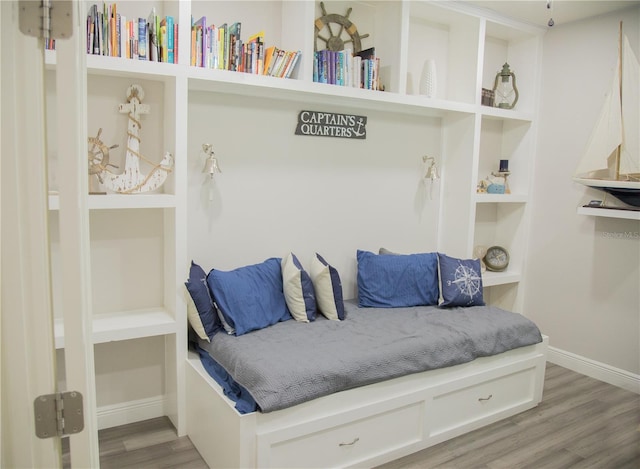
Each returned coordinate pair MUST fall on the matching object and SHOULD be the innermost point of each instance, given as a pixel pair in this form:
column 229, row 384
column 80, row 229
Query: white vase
column 428, row 79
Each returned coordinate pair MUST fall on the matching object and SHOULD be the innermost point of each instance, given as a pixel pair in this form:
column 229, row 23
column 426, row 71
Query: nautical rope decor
column 132, row 180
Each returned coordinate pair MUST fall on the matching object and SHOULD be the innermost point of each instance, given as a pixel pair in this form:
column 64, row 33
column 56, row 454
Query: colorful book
column 292, row 65
column 162, row 38
column 170, row 38
column 269, row 54
column 153, row 35
column 235, row 46
column 142, row 39
column 200, row 46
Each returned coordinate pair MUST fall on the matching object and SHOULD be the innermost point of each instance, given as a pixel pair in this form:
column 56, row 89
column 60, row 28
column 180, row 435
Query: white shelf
column 224, row 81
column 609, row 213
column 124, row 325
column 122, row 201
column 505, row 114
column 501, row 198
column 490, row 279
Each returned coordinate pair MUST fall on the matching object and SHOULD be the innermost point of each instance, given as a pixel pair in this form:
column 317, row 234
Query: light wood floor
column 580, row 423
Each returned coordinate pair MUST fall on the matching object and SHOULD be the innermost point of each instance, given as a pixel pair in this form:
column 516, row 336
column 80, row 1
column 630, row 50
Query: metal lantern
column 504, row 88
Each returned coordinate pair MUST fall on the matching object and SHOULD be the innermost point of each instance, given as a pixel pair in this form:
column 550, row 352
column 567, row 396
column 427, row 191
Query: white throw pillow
column 328, row 288
column 298, row 290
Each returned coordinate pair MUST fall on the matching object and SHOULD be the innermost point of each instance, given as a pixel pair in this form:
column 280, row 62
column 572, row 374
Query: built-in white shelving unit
column 140, row 240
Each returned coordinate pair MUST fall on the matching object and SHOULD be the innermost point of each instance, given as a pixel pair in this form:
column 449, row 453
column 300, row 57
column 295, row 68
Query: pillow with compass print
column 461, row 282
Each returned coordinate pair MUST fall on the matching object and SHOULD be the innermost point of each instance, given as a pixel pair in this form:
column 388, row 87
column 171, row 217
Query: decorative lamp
column 504, row 88
column 210, row 165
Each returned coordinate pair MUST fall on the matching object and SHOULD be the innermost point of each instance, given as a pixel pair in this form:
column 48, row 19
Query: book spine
column 213, row 47
column 332, row 67
column 89, row 34
column 260, row 61
column 142, row 39
column 153, row 39
column 288, row 55
column 205, row 42
column 293, row 64
column 315, row 66
column 124, row 36
column 162, row 40
column 176, row 55
column 170, row 38
column 324, row 77
column 339, row 68
column 112, row 34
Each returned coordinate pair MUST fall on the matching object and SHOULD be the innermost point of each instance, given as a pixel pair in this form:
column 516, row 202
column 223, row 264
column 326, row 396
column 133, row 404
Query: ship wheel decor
column 346, row 32
column 98, row 154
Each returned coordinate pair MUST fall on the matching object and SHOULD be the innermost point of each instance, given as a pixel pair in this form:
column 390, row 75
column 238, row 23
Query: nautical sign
column 331, row 124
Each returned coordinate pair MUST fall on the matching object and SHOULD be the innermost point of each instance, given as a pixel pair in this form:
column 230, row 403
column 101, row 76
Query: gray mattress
column 293, row 362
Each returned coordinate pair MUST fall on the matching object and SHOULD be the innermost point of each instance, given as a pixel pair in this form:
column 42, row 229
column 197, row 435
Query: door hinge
column 58, row 414
column 46, row 18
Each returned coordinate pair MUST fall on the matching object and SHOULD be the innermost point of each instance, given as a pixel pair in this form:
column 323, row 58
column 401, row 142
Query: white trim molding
column 594, row 369
column 132, row 411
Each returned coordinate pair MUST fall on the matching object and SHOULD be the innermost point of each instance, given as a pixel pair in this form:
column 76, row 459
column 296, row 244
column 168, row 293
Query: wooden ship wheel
column 98, row 155
column 347, row 32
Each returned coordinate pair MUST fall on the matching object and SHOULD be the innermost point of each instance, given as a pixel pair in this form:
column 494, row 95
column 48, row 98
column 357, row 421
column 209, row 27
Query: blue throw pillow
column 250, row 297
column 461, row 281
column 298, row 290
column 328, row 288
column 398, row 280
column 199, row 291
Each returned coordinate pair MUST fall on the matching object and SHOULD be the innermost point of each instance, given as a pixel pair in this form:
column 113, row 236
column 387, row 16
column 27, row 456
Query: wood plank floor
column 580, row 423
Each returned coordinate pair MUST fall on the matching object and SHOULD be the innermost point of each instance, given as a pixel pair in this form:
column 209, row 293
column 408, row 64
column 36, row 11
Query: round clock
column 496, row 259
column 335, row 37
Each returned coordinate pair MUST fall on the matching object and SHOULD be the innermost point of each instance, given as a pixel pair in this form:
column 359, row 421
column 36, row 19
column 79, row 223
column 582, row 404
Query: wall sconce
column 432, row 170
column 210, row 165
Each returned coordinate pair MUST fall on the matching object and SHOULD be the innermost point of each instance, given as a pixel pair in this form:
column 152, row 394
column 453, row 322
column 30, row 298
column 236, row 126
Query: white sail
column 606, row 135
column 611, row 161
column 630, row 152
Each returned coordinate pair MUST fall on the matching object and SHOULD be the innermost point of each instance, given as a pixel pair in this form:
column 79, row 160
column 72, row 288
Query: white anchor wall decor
column 132, row 180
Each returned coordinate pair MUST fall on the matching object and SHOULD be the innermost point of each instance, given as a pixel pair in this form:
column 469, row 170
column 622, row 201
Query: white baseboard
column 131, row 411
column 594, row 369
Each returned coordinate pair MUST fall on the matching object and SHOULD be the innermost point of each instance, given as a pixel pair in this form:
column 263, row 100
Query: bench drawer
column 352, row 442
column 471, row 404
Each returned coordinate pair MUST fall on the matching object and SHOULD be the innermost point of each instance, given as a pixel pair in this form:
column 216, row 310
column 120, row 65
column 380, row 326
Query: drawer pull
column 480, row 399
column 350, row 444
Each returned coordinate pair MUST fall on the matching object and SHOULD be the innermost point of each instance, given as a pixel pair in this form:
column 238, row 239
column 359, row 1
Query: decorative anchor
column 132, row 180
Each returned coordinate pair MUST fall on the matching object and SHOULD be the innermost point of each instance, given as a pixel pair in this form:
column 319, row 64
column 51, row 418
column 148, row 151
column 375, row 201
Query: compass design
column 467, row 281
column 345, row 32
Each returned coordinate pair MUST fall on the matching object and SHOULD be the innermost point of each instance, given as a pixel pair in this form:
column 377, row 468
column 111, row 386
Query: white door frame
column 27, row 350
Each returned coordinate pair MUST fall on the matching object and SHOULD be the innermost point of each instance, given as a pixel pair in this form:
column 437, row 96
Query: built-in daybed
column 378, row 384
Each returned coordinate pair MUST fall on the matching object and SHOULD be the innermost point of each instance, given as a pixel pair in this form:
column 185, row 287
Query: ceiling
column 562, row 11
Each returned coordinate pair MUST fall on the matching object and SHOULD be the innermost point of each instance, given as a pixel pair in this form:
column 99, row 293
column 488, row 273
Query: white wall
column 280, row 192
column 583, row 279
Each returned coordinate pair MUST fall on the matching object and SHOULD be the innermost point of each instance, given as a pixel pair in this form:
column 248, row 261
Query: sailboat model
column 611, row 162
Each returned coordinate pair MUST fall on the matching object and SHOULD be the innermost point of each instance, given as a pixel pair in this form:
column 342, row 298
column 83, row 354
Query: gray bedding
column 293, row 362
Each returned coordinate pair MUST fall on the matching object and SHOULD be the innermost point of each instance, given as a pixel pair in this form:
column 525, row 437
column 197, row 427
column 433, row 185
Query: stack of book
column 216, row 46
column 152, row 38
column 343, row 68
column 280, row 62
column 221, row 47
